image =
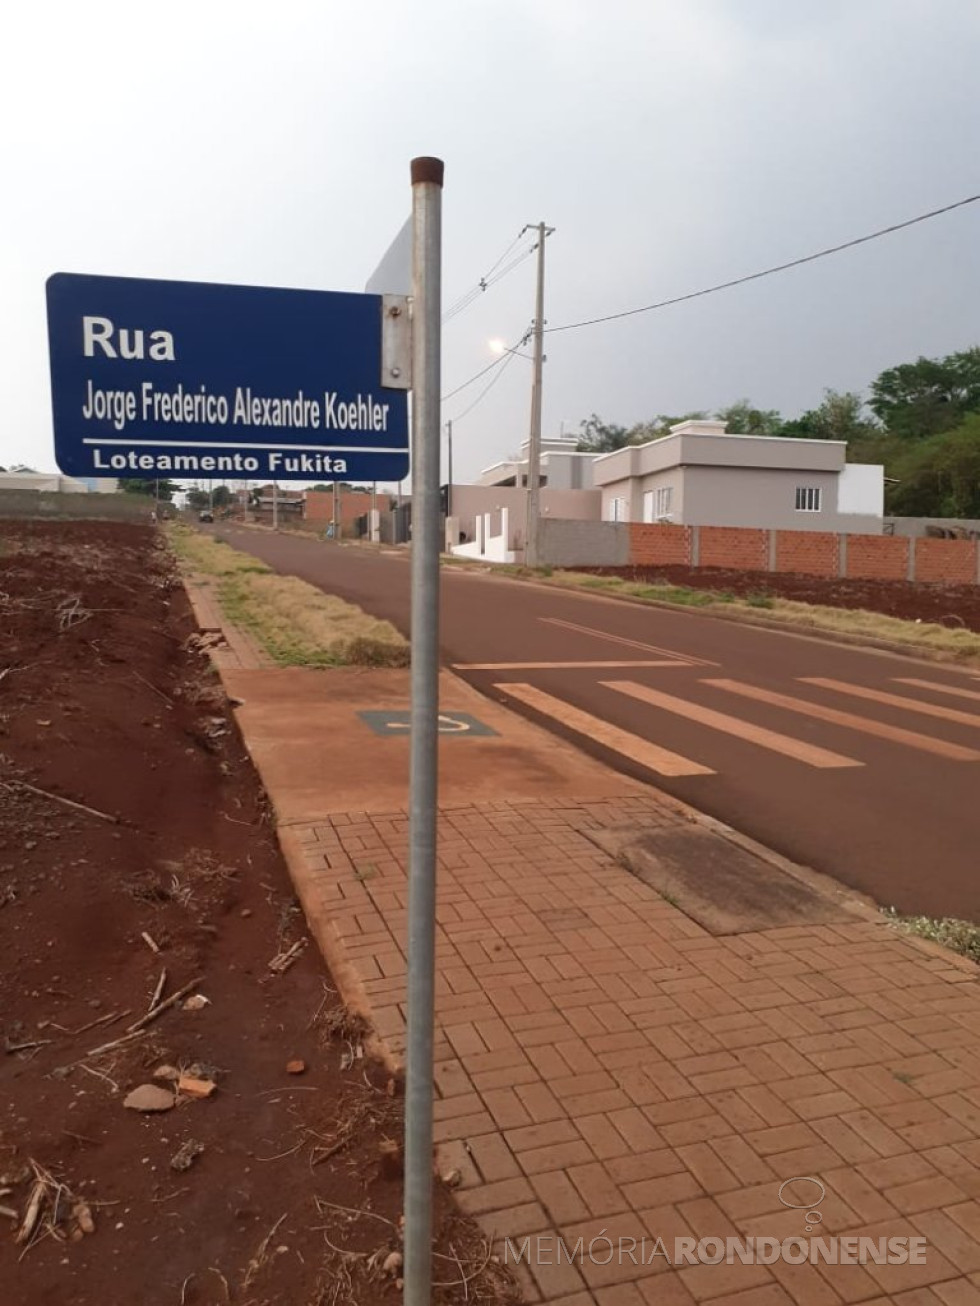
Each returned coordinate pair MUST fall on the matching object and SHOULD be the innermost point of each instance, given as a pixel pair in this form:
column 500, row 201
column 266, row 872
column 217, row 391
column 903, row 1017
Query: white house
column 563, row 467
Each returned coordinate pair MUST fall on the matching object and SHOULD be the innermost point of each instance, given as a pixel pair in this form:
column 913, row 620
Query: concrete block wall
column 563, row 542
column 97, row 507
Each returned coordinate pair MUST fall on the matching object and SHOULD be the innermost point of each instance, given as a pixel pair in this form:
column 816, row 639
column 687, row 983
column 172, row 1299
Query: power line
column 507, row 353
column 767, row 272
column 509, row 358
column 466, row 300
column 488, row 279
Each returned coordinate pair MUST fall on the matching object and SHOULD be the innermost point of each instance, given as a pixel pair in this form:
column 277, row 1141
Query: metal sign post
column 427, row 175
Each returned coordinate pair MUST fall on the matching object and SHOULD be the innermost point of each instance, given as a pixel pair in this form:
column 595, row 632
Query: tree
column 743, row 418
column 839, row 417
column 221, row 496
column 938, row 477
column 162, row 488
column 661, row 424
column 932, row 395
column 198, row 498
column 601, row 437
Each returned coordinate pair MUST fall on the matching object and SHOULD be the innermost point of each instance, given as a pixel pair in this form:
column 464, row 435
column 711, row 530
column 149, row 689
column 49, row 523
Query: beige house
column 472, row 503
column 699, row 475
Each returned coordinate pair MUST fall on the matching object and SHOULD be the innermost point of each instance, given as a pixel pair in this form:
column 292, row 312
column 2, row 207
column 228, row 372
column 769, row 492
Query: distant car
column 206, row 515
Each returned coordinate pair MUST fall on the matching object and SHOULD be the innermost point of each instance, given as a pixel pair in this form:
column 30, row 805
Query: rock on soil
column 149, row 1097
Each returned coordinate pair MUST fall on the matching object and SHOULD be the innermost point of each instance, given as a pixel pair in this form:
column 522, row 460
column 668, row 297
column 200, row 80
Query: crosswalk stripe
column 619, row 741
column 895, row 734
column 630, row 643
column 937, row 687
column 798, row 749
column 894, row 700
column 559, row 666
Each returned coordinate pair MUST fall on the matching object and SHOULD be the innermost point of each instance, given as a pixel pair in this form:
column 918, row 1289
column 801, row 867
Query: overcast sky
column 671, row 143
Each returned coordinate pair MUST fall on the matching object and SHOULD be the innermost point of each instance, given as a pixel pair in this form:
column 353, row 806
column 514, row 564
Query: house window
column 616, row 510
column 657, row 504
column 808, row 498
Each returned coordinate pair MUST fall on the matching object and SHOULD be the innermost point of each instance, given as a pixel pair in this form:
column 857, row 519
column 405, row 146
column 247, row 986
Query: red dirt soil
column 946, row 605
column 107, row 700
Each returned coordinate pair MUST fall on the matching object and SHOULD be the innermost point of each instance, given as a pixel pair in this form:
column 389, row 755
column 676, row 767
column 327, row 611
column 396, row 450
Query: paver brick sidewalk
column 607, row 1068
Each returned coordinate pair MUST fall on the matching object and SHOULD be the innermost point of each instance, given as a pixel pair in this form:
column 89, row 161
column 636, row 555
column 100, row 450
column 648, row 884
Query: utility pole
column 534, row 444
column 449, row 469
column 275, row 506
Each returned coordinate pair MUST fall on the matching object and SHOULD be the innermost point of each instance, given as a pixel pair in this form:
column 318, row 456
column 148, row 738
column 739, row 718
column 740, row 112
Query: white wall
column 491, row 548
column 861, row 488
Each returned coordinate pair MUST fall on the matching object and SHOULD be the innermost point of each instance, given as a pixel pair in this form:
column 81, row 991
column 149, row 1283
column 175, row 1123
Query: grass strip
column 296, row 623
column 960, row 936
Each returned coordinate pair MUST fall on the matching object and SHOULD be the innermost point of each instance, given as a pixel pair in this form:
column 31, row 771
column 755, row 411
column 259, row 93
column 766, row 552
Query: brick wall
column 353, row 504
column 731, row 546
column 946, row 560
column 877, row 557
column 808, row 553
column 652, row 546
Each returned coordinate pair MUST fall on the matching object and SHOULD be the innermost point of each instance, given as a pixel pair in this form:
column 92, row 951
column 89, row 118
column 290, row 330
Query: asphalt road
column 861, row 764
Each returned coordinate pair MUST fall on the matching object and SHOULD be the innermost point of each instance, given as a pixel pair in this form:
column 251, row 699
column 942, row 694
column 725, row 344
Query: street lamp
column 497, row 346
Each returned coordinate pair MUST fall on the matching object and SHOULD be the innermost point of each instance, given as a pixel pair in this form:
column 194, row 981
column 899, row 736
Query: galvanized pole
column 275, row 506
column 427, row 175
column 534, row 444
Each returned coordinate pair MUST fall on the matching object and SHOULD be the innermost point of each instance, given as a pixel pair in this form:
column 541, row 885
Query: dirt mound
column 946, row 605
column 137, row 862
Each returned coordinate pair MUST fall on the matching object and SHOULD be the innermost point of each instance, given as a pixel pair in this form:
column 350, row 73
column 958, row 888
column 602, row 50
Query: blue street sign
column 181, row 379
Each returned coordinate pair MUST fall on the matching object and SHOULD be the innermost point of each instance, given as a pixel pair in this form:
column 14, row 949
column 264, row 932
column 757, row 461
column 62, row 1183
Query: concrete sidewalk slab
column 316, row 755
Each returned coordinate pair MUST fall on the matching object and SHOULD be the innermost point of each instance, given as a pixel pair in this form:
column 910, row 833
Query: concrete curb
column 319, row 918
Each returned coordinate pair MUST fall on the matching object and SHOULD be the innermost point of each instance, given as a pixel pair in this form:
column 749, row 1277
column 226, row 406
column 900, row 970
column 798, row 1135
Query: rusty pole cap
column 427, row 169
